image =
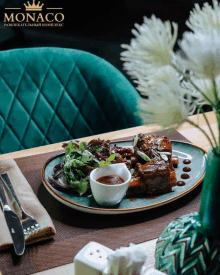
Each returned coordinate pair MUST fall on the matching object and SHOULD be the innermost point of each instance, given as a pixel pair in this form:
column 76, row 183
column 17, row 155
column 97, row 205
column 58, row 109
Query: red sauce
column 184, row 176
column 186, row 161
column 132, row 199
column 180, row 183
column 151, row 197
column 111, row 179
column 186, row 169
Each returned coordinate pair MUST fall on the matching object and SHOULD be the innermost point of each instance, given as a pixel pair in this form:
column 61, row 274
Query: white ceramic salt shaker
column 91, row 259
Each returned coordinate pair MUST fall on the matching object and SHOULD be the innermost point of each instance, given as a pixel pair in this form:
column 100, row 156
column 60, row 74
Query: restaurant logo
column 33, row 7
column 33, row 16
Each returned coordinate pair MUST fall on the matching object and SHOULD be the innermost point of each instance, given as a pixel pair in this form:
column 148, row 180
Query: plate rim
column 112, row 210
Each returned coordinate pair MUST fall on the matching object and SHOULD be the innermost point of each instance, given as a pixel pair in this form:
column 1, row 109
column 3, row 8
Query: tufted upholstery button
column 49, row 95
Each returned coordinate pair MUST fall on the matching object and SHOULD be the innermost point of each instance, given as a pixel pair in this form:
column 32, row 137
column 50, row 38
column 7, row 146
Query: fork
column 29, row 223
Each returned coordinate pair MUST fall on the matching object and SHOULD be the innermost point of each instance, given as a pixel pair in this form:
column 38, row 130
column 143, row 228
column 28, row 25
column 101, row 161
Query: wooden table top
column 187, row 130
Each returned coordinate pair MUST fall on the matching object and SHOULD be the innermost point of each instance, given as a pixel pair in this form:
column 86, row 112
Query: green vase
column 209, row 214
column 190, row 245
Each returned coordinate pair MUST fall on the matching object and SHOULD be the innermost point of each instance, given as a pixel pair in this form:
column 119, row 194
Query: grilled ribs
column 156, row 176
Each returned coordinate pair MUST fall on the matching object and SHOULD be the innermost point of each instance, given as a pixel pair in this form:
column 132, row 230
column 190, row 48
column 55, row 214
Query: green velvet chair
column 49, row 95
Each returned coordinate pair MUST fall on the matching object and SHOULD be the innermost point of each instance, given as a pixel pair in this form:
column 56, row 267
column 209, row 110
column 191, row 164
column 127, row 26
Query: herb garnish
column 108, row 161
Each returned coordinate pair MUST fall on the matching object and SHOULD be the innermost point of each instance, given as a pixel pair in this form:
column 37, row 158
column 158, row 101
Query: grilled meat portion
column 105, row 150
column 149, row 143
column 153, row 177
column 124, row 152
column 156, row 176
column 175, row 161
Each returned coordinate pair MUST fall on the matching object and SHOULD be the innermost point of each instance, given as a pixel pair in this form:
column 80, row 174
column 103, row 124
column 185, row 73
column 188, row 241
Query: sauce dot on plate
column 185, row 176
column 180, row 183
column 186, row 169
column 186, row 161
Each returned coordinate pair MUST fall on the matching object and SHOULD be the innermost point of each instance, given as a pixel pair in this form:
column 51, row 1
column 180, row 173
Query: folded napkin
column 126, row 261
column 30, row 204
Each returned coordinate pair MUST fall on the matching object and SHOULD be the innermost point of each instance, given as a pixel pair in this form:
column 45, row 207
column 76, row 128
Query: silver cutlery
column 29, row 223
column 14, row 224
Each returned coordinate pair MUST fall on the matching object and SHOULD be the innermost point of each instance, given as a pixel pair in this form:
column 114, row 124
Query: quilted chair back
column 49, row 95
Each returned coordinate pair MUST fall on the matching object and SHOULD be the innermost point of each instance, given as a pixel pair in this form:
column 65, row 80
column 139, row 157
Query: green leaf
column 112, row 157
column 71, row 147
column 77, row 163
column 108, row 161
column 143, row 156
column 101, row 164
column 74, row 184
column 82, row 146
column 86, row 156
column 80, row 173
column 86, row 159
column 83, row 187
column 96, row 148
column 135, row 140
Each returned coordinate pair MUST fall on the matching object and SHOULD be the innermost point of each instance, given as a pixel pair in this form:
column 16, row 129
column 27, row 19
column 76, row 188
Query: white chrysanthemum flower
column 204, row 19
column 167, row 105
column 149, row 83
column 151, row 49
column 164, row 74
column 203, row 53
column 206, row 87
column 145, row 84
column 169, row 75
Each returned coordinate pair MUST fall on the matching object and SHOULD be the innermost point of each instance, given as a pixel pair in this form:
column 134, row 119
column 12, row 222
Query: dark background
column 99, row 27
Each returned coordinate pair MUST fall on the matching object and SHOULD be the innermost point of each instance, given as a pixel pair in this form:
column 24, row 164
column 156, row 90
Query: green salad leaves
column 77, row 161
column 108, row 161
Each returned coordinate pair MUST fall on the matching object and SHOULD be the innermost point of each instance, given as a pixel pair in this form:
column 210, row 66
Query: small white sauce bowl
column 106, row 194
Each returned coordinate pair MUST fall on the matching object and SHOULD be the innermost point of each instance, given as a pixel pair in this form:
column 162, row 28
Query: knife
column 14, row 224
